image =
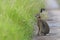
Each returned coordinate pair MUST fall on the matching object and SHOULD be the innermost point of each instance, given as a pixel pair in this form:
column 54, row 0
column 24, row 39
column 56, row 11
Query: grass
column 17, row 18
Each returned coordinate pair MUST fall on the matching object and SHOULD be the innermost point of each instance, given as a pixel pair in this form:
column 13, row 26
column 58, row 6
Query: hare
column 42, row 25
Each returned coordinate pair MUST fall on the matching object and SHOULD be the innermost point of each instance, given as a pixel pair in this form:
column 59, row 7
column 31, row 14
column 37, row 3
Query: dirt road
column 53, row 35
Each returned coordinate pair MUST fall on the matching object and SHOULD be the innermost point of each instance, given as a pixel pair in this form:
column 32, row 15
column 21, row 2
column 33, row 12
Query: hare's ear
column 42, row 9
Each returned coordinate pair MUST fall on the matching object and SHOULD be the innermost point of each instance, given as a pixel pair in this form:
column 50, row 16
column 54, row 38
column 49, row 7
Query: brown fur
column 43, row 26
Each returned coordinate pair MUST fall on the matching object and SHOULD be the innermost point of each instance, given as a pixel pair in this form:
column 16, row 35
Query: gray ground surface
column 53, row 35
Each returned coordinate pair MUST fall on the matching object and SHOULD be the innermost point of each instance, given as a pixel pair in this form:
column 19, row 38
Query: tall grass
column 17, row 18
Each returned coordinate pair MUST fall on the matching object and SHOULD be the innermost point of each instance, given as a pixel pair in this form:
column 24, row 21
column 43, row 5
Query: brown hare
column 42, row 25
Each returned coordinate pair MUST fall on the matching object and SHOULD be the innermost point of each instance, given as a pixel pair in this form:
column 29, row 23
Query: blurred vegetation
column 17, row 18
column 58, row 2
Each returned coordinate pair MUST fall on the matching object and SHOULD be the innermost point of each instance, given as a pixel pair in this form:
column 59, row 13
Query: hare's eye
column 38, row 17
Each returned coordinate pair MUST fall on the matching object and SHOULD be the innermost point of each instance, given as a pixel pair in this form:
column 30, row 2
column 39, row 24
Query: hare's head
column 38, row 15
